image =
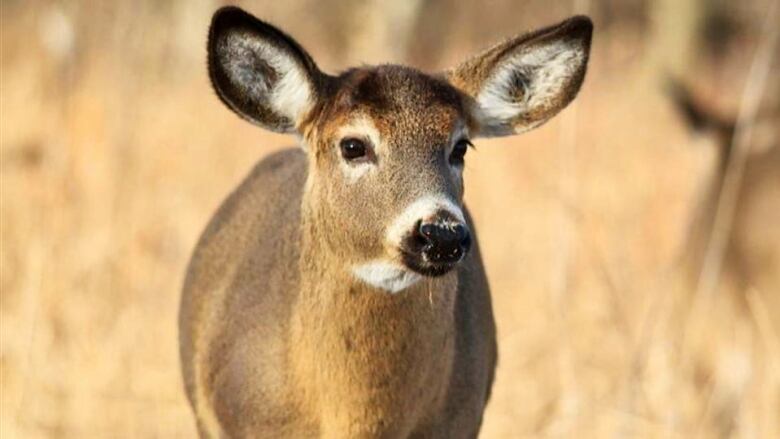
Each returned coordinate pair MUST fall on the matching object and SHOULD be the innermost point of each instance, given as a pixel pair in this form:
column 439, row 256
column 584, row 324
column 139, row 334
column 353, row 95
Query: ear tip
column 228, row 14
column 229, row 19
column 580, row 27
column 224, row 18
column 233, row 17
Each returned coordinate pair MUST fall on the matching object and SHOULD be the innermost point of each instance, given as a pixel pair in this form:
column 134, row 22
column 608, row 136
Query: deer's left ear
column 260, row 72
column 518, row 85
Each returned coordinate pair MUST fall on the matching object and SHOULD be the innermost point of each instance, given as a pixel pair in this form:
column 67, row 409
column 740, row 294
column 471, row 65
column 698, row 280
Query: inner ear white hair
column 521, row 83
column 260, row 72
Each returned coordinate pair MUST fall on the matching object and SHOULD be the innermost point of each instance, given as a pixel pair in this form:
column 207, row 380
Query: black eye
column 459, row 151
column 352, row 148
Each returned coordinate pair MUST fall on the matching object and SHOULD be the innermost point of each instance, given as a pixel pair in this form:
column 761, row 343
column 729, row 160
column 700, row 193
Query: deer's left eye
column 459, row 152
column 353, row 149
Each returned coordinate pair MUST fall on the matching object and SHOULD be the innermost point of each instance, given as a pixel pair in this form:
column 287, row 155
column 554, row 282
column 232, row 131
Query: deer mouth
column 419, row 262
column 428, row 269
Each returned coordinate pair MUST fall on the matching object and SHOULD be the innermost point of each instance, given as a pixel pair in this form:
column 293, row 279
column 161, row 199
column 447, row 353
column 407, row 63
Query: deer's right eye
column 352, row 148
column 459, row 151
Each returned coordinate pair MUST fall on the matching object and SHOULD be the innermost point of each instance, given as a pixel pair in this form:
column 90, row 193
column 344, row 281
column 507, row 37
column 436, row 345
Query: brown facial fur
column 415, row 116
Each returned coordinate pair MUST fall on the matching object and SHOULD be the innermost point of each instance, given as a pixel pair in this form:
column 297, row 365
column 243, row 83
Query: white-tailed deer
column 752, row 252
column 339, row 291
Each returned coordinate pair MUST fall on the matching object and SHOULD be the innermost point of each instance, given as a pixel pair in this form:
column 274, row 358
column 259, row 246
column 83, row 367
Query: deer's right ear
column 261, row 73
column 519, row 84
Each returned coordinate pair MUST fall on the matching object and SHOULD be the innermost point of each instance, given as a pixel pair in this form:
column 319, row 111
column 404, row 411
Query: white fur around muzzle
column 386, row 276
column 394, row 277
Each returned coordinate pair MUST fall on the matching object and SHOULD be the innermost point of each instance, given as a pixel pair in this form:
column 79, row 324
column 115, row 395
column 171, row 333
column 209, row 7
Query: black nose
column 445, row 242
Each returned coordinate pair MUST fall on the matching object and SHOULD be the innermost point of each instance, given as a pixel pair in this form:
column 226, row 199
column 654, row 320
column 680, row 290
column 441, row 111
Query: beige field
column 115, row 152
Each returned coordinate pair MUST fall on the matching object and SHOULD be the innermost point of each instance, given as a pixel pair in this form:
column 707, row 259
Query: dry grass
column 115, row 152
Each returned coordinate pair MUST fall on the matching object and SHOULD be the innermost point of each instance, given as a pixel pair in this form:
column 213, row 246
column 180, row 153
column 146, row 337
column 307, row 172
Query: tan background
column 115, row 152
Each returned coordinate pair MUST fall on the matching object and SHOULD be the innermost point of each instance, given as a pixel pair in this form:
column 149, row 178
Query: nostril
column 465, row 240
column 427, row 230
column 423, row 235
column 462, row 237
column 460, row 232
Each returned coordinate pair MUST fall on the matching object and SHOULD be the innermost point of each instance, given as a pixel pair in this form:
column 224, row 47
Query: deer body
column 339, row 291
column 348, row 359
column 752, row 252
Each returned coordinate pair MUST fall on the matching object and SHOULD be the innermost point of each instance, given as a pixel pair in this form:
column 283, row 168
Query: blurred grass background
column 115, row 152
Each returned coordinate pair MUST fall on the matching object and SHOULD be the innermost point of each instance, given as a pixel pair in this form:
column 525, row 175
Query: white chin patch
column 387, row 276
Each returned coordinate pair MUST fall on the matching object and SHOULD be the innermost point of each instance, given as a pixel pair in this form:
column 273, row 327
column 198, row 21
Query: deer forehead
column 402, row 106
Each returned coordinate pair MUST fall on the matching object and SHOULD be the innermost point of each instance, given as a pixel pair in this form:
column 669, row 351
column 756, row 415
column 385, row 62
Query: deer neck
column 356, row 346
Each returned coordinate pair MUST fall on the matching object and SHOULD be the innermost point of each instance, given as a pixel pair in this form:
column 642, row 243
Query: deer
column 752, row 251
column 339, row 291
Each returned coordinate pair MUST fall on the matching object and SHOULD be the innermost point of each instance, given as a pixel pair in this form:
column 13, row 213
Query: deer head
column 386, row 144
